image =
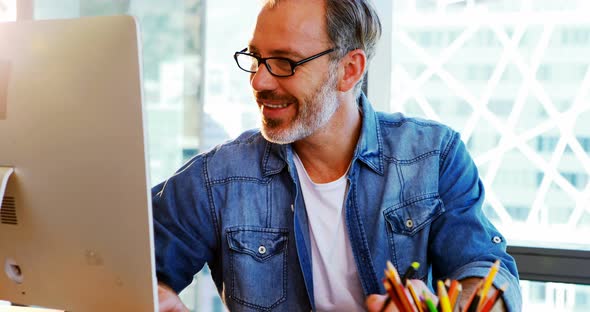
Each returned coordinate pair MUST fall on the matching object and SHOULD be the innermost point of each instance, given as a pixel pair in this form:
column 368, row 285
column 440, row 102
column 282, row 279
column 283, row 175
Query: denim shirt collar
column 369, row 149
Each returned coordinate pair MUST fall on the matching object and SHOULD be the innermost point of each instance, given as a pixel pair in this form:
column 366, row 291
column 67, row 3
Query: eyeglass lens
column 276, row 66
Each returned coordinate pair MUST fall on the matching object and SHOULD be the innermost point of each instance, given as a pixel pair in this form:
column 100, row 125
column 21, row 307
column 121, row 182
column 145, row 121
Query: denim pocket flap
column 260, row 243
column 411, row 216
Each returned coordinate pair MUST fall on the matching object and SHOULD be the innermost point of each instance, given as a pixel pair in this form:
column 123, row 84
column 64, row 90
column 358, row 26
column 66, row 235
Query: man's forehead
column 273, row 3
column 295, row 8
column 289, row 26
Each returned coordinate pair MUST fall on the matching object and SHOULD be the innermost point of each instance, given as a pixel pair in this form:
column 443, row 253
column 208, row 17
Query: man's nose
column 262, row 79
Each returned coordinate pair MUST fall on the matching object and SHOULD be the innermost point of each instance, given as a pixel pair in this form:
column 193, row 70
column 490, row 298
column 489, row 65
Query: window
column 7, row 10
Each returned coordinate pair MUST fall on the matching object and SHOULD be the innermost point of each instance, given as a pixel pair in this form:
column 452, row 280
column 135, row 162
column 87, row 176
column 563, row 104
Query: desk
column 6, row 307
column 25, row 309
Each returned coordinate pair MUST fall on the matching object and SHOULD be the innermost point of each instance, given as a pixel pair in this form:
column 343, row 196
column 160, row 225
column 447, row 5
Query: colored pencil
column 474, row 303
column 472, row 297
column 402, row 294
column 488, row 282
column 398, row 287
column 491, row 301
column 388, row 299
column 452, row 292
column 414, row 296
column 412, row 269
column 429, row 303
column 392, row 297
column 443, row 297
column 456, row 288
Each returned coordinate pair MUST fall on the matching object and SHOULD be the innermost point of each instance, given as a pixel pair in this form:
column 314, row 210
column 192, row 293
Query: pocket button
column 262, row 250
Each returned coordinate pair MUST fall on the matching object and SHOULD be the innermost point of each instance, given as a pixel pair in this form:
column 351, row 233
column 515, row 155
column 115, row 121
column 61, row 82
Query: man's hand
column 375, row 302
column 169, row 300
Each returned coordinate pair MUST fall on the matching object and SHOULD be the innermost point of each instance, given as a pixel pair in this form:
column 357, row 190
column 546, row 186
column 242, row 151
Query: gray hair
column 352, row 24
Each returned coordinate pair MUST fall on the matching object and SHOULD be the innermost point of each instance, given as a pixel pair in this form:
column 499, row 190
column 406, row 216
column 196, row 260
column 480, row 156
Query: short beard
column 313, row 114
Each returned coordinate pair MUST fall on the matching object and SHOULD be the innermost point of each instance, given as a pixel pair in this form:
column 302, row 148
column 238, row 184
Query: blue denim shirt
column 414, row 195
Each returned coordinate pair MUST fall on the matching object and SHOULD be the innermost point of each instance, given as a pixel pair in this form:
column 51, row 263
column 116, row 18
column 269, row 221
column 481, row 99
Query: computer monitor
column 76, row 224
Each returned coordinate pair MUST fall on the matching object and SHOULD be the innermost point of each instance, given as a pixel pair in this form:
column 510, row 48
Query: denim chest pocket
column 410, row 217
column 409, row 228
column 258, row 266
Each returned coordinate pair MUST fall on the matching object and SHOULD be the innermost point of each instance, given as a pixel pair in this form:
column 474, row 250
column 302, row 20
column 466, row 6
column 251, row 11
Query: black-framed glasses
column 277, row 66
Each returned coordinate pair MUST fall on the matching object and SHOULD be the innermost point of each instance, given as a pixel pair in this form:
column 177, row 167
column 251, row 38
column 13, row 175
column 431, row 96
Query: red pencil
column 392, row 297
column 393, row 276
column 491, row 301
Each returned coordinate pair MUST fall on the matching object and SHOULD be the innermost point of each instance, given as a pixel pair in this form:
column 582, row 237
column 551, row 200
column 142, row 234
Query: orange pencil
column 406, row 302
column 453, row 293
column 417, row 302
column 398, row 287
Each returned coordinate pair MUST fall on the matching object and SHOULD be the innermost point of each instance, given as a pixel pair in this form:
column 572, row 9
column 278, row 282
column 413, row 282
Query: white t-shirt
column 336, row 284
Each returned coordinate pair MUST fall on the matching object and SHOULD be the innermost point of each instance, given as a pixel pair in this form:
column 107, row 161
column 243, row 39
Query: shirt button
column 497, row 239
column 409, row 223
column 262, row 250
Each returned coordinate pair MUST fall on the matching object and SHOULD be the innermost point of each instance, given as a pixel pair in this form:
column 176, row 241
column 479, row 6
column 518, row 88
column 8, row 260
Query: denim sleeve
column 184, row 232
column 464, row 242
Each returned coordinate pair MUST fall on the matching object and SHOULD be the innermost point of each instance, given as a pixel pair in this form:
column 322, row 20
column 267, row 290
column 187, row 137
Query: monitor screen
column 75, row 222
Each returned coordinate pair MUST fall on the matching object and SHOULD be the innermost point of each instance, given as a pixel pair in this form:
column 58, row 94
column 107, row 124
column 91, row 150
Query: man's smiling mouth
column 274, row 105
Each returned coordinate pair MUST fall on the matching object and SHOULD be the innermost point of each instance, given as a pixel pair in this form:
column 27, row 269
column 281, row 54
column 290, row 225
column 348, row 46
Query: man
column 305, row 213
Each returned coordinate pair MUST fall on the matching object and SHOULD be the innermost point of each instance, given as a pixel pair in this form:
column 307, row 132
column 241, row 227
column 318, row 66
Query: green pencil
column 429, row 304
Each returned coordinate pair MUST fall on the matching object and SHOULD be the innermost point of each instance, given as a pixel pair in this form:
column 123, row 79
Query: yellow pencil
column 487, row 284
column 445, row 304
column 393, row 273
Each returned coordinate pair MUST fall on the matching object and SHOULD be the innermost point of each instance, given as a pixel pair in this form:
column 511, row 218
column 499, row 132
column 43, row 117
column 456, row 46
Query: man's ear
column 353, row 65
